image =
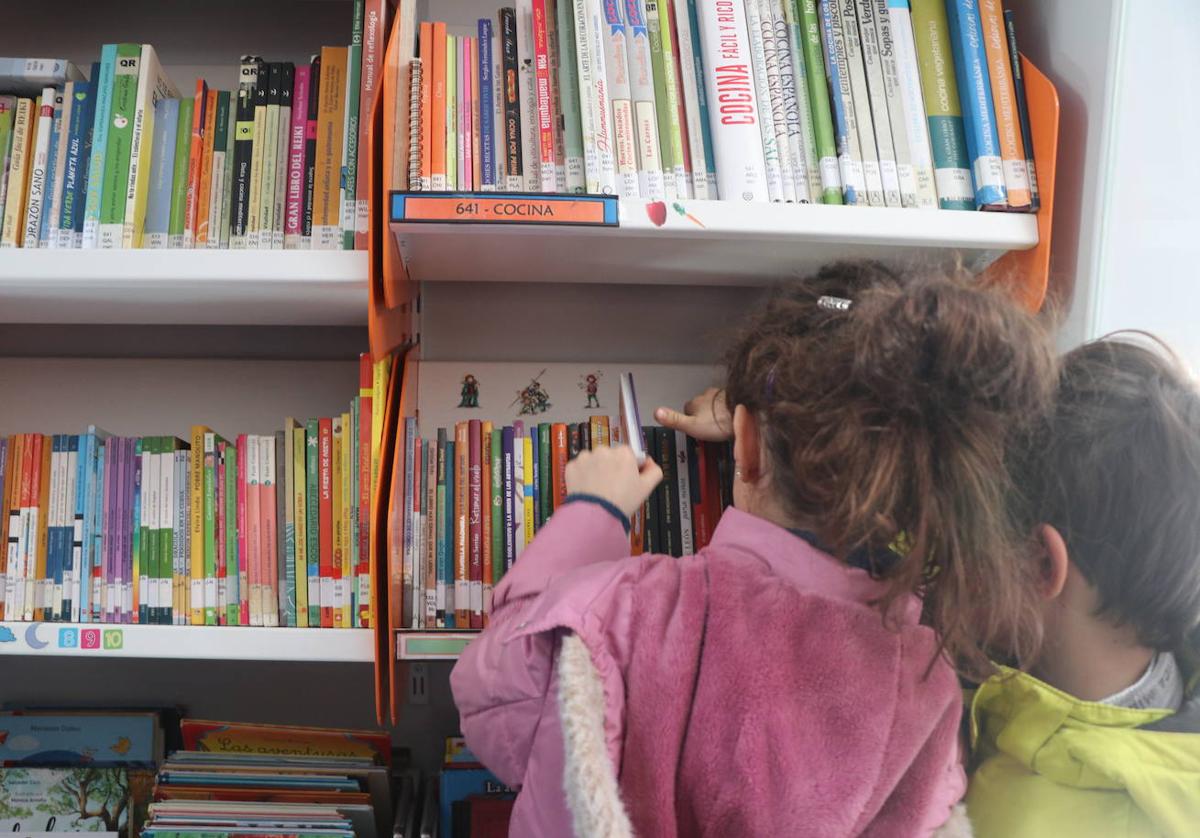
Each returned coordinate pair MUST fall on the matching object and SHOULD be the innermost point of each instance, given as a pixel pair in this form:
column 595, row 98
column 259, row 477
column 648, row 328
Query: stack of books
column 125, row 158
column 257, row 530
column 863, row 102
column 471, row 497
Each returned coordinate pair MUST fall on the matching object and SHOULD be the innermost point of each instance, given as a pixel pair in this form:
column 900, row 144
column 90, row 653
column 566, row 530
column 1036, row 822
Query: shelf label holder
column 504, row 208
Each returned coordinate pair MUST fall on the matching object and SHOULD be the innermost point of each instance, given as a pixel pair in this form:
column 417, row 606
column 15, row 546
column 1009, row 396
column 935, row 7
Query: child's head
column 1116, row 472
column 893, row 419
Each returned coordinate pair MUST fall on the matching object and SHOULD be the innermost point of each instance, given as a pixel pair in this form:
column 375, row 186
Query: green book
column 120, row 142
column 221, row 150
column 179, row 182
column 151, row 486
column 167, row 510
column 8, row 113
column 296, row 503
column 312, row 520
column 672, row 136
column 497, row 511
column 947, row 136
column 568, row 97
column 226, row 195
column 350, row 134
column 813, row 87
column 665, row 142
column 140, row 531
column 545, row 490
column 233, row 588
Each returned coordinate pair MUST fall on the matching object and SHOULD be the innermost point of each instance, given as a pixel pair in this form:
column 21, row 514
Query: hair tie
column 834, row 303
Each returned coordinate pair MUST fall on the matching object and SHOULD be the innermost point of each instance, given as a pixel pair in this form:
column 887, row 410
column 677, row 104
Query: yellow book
column 379, row 385
column 43, row 515
column 527, row 477
column 153, row 86
column 326, row 205
column 18, row 175
column 339, row 535
column 298, row 500
column 194, row 590
column 348, row 535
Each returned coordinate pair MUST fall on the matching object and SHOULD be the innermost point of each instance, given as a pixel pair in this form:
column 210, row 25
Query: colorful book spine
column 486, row 456
column 8, row 105
column 216, row 189
column 528, row 517
column 204, row 189
column 495, row 510
column 18, row 175
column 948, row 141
column 366, row 408
column 195, row 163
column 120, row 141
column 1018, row 76
column 475, row 520
column 675, row 132
column 310, row 151
column 156, row 228
column 179, row 177
column 487, row 108
column 616, row 64
column 861, row 102
column 446, row 560
column 594, row 99
column 1008, row 122
column 462, row 549
column 349, row 163
column 896, row 39
column 436, row 148
column 554, row 56
column 337, row 461
column 294, row 207
column 429, row 531
column 518, row 490
column 527, row 81
column 889, row 139
column 75, row 174
column 153, row 86
column 453, row 94
column 299, row 504
column 568, row 96
column 558, row 462
column 640, row 68
column 63, row 101
column 542, row 98
column 268, row 546
column 285, row 491
column 796, row 42
column 373, row 44
column 850, row 162
column 513, row 140
column 704, row 165
column 39, row 157
column 326, row 210
column 776, row 100
column 312, row 472
column 287, row 83
column 508, row 464
column 979, row 114
column 325, row 511
column 100, row 129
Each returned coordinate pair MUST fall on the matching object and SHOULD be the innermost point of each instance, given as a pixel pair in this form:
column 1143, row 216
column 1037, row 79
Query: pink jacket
column 747, row 690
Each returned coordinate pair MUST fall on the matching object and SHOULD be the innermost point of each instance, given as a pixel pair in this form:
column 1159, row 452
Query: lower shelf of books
column 432, row 645
column 108, row 640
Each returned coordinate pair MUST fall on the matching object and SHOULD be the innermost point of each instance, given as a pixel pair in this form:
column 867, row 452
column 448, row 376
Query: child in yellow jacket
column 1098, row 736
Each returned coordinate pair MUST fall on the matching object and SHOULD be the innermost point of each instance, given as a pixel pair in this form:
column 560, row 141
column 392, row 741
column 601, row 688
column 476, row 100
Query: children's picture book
column 81, row 799
column 79, row 739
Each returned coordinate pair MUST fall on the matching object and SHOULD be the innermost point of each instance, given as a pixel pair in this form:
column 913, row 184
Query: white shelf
column 187, row 642
column 739, row 244
column 168, row 287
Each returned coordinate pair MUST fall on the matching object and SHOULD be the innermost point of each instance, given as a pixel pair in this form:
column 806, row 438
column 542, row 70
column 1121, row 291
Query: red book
column 325, row 509
column 195, row 161
column 700, row 519
column 371, row 82
column 222, row 574
column 365, row 370
column 475, row 523
column 254, row 530
column 545, row 117
column 485, row 494
column 462, row 552
column 490, row 815
column 558, row 462
column 243, row 554
column 712, row 484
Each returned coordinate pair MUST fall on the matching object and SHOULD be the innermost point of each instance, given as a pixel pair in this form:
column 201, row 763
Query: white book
column 683, row 482
column 62, row 120
column 216, row 191
column 28, row 76
column 153, row 84
column 861, row 100
column 75, row 486
column 39, row 161
column 778, row 105
column 689, row 84
column 53, row 521
column 266, row 201
column 616, row 65
column 733, row 103
column 14, row 582
column 808, row 131
column 877, row 91
column 594, row 107
column 281, row 164
column 766, row 121
column 645, row 115
column 912, row 100
column 166, row 522
column 531, row 180
column 226, row 193
column 518, row 482
column 792, row 97
column 897, row 120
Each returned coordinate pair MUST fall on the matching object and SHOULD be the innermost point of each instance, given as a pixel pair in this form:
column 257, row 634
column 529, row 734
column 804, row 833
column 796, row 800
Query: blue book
column 52, row 534
column 487, row 112
column 537, row 479
column 103, row 111
column 79, row 148
column 446, row 557
column 74, row 590
column 83, row 738
column 95, row 543
column 162, row 174
column 710, row 161
column 510, row 520
column 979, row 113
column 45, row 225
column 62, row 559
column 841, row 105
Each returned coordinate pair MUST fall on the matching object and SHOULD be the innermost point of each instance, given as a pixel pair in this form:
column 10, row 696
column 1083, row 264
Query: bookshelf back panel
column 130, row 397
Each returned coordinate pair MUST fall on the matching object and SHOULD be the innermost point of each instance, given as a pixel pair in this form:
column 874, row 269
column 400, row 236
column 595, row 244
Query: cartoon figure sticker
column 469, row 394
column 533, row 398
column 590, row 384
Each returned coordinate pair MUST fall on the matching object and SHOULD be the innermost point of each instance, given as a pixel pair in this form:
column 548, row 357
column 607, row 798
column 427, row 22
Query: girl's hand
column 612, row 474
column 705, row 417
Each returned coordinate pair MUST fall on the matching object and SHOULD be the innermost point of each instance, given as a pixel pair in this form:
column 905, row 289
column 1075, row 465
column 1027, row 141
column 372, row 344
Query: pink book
column 460, row 82
column 542, row 71
column 269, row 565
column 243, row 556
column 467, row 104
column 254, row 530
column 293, row 217
column 222, row 576
column 476, row 119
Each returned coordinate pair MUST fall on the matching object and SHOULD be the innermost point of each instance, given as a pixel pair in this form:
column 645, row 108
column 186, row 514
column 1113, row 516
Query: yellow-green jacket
column 1051, row 765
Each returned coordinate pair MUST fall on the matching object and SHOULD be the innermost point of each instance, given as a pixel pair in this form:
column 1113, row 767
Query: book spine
column 299, row 503
column 683, row 481
column 326, row 219
column 462, row 550
column 545, row 116
column 204, row 188
column 527, row 485
column 879, row 98
column 640, row 69
column 102, row 117
column 616, row 62
column 374, row 37
column 270, row 531
column 554, row 56
column 225, row 218
column 797, row 37
column 162, row 169
column 179, row 177
column 337, row 462
column 8, row 106
column 513, row 141
column 595, row 106
column 39, row 157
column 440, row 541
column 221, row 566
column 285, row 539
column 453, row 113
column 78, row 147
column 293, row 230
column 527, row 81
column 254, row 530
column 694, row 56
column 860, row 101
column 908, row 119
column 325, row 512
column 242, row 522
column 217, row 169
column 559, row 455
column 63, row 102
column 153, row 86
column 765, row 122
column 366, row 406
column 507, row 455
column 14, row 206
column 430, row 531
column 518, row 491
column 675, row 131
column 1008, row 123
column 850, row 162
column 487, row 108
column 568, row 96
column 475, row 520
column 269, row 141
column 232, row 598
column 979, row 114
column 734, row 115
column 536, row 464
column 948, row 142
column 120, row 140
column 776, row 100
column 349, row 162
column 486, row 455
column 146, row 524
column 449, row 530
column 282, row 156
column 412, row 528
column 210, row 529
column 258, row 152
column 496, row 504
column 195, row 162
column 312, row 471
column 310, row 151
column 436, row 71
column 1018, row 77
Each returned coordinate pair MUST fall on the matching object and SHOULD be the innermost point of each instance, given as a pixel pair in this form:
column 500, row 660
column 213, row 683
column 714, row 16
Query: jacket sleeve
column 501, row 682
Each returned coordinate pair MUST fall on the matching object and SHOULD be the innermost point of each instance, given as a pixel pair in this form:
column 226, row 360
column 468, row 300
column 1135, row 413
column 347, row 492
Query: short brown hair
column 1116, row 470
column 894, row 419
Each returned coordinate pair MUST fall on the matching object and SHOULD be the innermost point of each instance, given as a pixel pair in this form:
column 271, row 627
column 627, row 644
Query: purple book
column 510, row 527
column 111, row 484
column 122, row 531
column 134, row 518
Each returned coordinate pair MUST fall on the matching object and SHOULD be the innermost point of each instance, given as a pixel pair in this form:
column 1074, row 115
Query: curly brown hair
column 893, row 420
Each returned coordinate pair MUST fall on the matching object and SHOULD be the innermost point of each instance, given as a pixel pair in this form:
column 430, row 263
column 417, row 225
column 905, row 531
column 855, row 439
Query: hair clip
column 834, row 303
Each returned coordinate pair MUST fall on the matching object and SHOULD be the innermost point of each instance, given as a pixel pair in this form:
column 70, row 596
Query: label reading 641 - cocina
column 498, row 208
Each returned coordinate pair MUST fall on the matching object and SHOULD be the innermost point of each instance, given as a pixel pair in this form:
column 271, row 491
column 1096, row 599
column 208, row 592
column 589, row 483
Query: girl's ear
column 1053, row 563
column 747, row 455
